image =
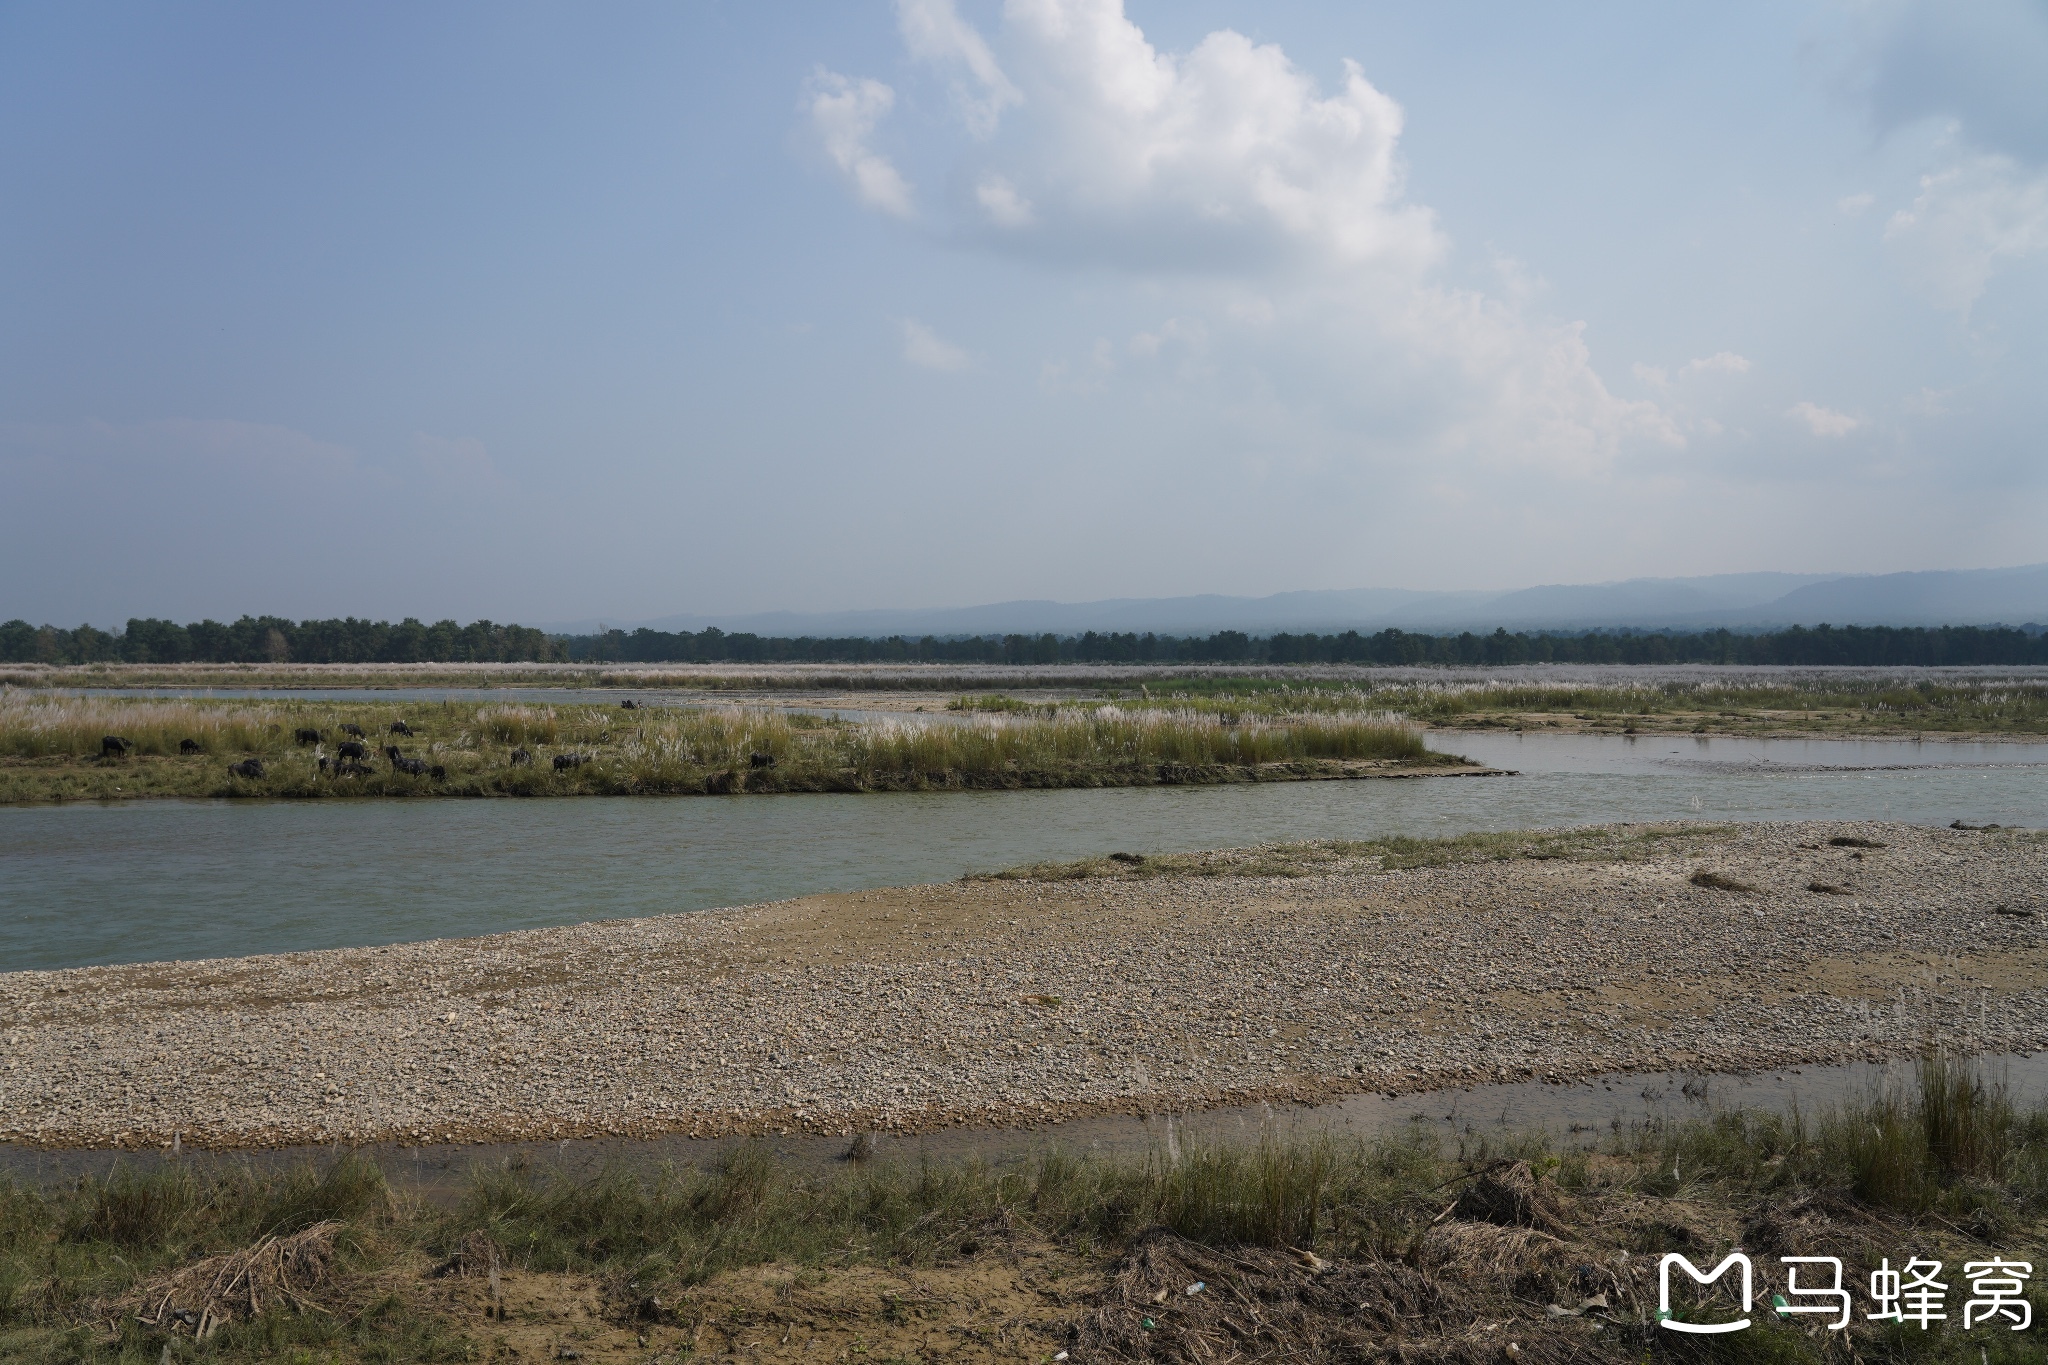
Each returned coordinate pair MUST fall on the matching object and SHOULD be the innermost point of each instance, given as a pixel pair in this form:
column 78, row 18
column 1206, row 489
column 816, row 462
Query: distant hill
column 2017, row 596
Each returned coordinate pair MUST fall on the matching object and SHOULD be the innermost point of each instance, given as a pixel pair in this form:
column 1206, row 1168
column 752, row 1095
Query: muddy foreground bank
column 998, row 1002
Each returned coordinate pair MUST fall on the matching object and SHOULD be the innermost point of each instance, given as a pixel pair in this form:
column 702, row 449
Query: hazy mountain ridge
column 2014, row 596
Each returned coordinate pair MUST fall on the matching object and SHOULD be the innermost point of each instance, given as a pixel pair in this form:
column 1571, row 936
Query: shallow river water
column 1579, row 1114
column 146, row 881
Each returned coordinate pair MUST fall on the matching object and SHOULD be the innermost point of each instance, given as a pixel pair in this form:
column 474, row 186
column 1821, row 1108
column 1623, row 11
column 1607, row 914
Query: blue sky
column 551, row 313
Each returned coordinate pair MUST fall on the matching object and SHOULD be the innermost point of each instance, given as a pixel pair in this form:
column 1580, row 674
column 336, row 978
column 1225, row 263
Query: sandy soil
column 1008, row 1001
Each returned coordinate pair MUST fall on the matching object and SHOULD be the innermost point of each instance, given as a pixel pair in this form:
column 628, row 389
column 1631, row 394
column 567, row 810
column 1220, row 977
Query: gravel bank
column 1022, row 1001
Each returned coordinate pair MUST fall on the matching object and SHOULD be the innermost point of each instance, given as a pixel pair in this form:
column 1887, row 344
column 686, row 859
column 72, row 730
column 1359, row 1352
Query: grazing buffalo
column 114, row 745
column 566, row 761
column 188, row 746
column 323, row 762
column 629, row 705
column 307, row 736
column 248, row 767
column 349, row 767
column 761, row 760
column 520, row 756
column 410, row 766
column 438, row 773
column 353, row 729
column 399, row 727
column 350, row 749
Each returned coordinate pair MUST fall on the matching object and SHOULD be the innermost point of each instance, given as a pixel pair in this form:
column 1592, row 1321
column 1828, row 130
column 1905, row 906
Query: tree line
column 272, row 639
column 1868, row 646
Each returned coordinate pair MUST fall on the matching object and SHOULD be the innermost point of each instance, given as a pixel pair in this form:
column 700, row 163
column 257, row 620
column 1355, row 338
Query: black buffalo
column 188, row 746
column 761, row 760
column 349, row 748
column 565, row 761
column 248, row 767
column 114, row 745
column 399, row 727
column 353, row 729
column 408, row 765
column 307, row 736
column 520, row 756
column 629, row 705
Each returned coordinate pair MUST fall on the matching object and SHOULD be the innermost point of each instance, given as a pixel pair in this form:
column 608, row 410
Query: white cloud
column 1966, row 222
column 924, row 348
column 844, row 113
column 1224, row 180
column 1000, row 200
column 1651, row 376
column 1720, row 362
column 1205, row 158
column 1823, row 421
column 933, row 31
column 1854, row 204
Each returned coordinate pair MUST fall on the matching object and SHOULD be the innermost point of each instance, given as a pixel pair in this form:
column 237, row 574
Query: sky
column 552, row 312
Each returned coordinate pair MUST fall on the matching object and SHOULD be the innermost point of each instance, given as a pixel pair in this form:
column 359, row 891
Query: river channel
column 145, row 881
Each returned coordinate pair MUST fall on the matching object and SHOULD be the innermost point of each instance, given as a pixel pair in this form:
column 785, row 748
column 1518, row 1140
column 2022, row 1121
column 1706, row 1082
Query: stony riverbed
column 998, row 1002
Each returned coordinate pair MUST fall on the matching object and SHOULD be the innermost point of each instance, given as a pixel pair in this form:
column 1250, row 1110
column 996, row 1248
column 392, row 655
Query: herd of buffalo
column 351, row 756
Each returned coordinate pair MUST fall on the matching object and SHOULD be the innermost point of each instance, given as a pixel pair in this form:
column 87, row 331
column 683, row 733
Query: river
column 144, row 881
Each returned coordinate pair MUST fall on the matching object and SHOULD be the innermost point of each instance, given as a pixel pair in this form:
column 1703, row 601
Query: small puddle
column 1578, row 1114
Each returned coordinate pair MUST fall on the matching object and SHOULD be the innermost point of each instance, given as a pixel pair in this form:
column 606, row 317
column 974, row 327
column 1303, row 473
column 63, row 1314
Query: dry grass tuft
column 205, row 1294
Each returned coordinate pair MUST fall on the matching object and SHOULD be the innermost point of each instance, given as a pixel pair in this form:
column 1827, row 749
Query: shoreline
column 995, row 1001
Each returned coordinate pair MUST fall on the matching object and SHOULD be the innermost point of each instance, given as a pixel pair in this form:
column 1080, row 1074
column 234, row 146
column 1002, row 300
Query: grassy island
column 96, row 748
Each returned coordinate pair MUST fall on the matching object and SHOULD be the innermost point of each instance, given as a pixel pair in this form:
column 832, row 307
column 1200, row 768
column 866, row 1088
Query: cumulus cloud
column 1977, row 69
column 1823, row 421
column 1207, row 159
column 925, row 349
column 844, row 113
column 1854, row 205
column 1966, row 222
column 933, row 31
column 1271, row 214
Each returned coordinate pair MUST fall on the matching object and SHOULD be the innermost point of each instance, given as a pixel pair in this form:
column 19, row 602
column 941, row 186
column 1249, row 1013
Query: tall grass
column 1949, row 1139
column 608, row 750
column 1111, row 736
column 37, row 725
column 2002, row 705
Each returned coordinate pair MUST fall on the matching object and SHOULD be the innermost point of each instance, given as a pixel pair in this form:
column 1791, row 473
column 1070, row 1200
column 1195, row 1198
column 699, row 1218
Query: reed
column 1506, row 1213
column 501, row 749
column 36, row 725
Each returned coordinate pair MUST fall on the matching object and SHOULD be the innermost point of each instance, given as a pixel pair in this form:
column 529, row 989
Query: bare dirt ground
column 999, row 1002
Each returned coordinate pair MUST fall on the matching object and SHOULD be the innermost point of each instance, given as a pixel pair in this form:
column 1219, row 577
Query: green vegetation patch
column 1401, row 1245
column 55, row 747
column 1852, row 706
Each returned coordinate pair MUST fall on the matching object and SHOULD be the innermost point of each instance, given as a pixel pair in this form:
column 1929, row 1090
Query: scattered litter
column 1197, row 1287
column 1146, row 1324
column 1061, row 1356
column 1160, row 1297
